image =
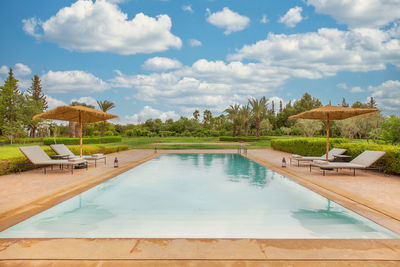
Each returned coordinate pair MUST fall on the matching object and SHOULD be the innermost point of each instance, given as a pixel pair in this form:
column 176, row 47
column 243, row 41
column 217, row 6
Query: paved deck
column 371, row 194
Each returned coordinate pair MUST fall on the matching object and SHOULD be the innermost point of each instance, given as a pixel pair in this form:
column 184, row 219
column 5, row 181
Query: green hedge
column 11, row 164
column 305, row 146
column 86, row 140
column 243, row 138
column 390, row 162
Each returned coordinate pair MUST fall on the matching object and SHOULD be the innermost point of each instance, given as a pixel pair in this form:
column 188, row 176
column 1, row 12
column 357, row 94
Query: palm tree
column 258, row 108
column 104, row 106
column 233, row 114
column 196, row 114
column 245, row 115
column 206, row 116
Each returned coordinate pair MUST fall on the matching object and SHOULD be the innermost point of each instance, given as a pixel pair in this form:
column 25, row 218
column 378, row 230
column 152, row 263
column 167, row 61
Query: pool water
column 198, row 196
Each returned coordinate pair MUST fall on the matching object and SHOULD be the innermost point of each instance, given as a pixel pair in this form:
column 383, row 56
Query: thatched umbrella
column 329, row 112
column 79, row 114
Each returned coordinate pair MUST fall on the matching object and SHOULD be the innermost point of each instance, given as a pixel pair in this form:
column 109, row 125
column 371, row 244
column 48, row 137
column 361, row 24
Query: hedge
column 243, row 138
column 86, row 140
column 390, row 162
column 11, row 164
column 305, row 146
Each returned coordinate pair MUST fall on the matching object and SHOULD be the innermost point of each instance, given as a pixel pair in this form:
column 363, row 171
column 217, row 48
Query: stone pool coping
column 196, row 252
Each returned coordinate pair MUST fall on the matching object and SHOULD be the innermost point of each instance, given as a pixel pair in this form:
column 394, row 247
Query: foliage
column 104, row 106
column 390, row 162
column 258, row 109
column 305, row 146
column 309, row 127
column 243, row 139
column 86, row 140
column 391, row 130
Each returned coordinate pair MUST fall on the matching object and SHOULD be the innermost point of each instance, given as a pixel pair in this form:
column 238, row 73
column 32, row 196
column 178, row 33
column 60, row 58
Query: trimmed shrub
column 21, row 162
column 86, row 140
column 390, row 162
column 305, row 146
column 243, row 138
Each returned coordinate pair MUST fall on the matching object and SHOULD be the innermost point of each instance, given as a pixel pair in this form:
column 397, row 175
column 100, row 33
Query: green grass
column 9, row 151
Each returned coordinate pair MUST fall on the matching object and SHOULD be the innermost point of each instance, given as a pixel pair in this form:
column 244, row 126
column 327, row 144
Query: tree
column 309, row 127
column 196, row 114
column 371, row 103
column 306, row 103
column 344, row 104
column 245, row 113
column 104, row 106
column 258, row 109
column 206, row 116
column 391, row 130
column 358, row 104
column 233, row 115
column 280, row 106
column 265, row 126
column 273, row 107
column 37, row 104
column 75, row 127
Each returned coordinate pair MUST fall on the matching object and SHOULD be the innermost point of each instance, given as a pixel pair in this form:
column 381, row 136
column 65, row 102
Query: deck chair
column 38, row 157
column 331, row 156
column 63, row 150
column 362, row 161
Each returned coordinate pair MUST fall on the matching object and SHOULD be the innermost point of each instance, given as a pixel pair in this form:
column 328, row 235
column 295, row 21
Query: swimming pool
column 198, row 196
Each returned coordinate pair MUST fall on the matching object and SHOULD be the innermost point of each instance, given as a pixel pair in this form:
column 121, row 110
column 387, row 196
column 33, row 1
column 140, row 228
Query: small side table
column 342, row 158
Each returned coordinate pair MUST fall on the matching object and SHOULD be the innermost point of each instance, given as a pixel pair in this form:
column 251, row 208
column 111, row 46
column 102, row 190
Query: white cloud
column 19, row 70
column 4, row 70
column 325, row 52
column 264, row 19
column 74, row 81
column 292, row 17
column 342, row 85
column 86, row 99
column 359, row 13
column 229, row 20
column 357, row 89
column 188, row 8
column 387, row 96
column 161, row 63
column 53, row 102
column 150, row 113
column 194, row 43
column 22, row 70
column 208, row 84
column 102, row 27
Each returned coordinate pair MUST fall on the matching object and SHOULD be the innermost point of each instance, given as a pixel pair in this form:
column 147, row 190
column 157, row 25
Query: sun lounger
column 362, row 161
column 63, row 150
column 38, row 157
column 331, row 156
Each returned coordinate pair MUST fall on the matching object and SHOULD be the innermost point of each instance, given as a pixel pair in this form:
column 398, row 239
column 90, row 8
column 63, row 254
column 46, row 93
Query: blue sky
column 165, row 59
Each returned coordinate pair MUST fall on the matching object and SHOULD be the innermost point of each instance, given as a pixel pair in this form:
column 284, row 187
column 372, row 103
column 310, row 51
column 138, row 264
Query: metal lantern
column 115, row 162
column 283, row 162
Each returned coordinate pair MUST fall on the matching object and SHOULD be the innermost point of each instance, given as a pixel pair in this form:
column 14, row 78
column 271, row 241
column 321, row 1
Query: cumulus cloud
column 359, row 13
column 4, row 70
column 292, row 17
column 264, row 19
column 161, row 63
column 74, row 81
column 86, row 99
column 194, row 43
column 387, row 96
column 102, row 27
column 53, row 102
column 150, row 113
column 341, row 85
column 22, row 70
column 325, row 52
column 357, row 89
column 229, row 20
column 207, row 84
column 188, row 8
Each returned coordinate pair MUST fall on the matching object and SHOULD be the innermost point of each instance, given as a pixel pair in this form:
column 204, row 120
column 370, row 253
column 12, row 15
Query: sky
column 166, row 58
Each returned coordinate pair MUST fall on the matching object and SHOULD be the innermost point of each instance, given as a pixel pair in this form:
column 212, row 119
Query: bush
column 86, row 140
column 305, row 146
column 243, row 138
column 21, row 140
column 21, row 162
column 390, row 162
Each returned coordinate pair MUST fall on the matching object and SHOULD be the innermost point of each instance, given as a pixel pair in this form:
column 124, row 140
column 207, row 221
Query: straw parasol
column 79, row 114
column 329, row 112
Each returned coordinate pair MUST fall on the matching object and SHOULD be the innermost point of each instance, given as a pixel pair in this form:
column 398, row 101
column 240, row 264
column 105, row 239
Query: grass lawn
column 9, row 151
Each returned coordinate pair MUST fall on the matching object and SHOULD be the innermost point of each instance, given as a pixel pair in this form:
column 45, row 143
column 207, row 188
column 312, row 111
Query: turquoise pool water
column 199, row 196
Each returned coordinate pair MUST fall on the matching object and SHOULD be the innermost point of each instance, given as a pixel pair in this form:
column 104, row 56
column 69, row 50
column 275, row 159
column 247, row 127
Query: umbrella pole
column 80, row 133
column 327, row 139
